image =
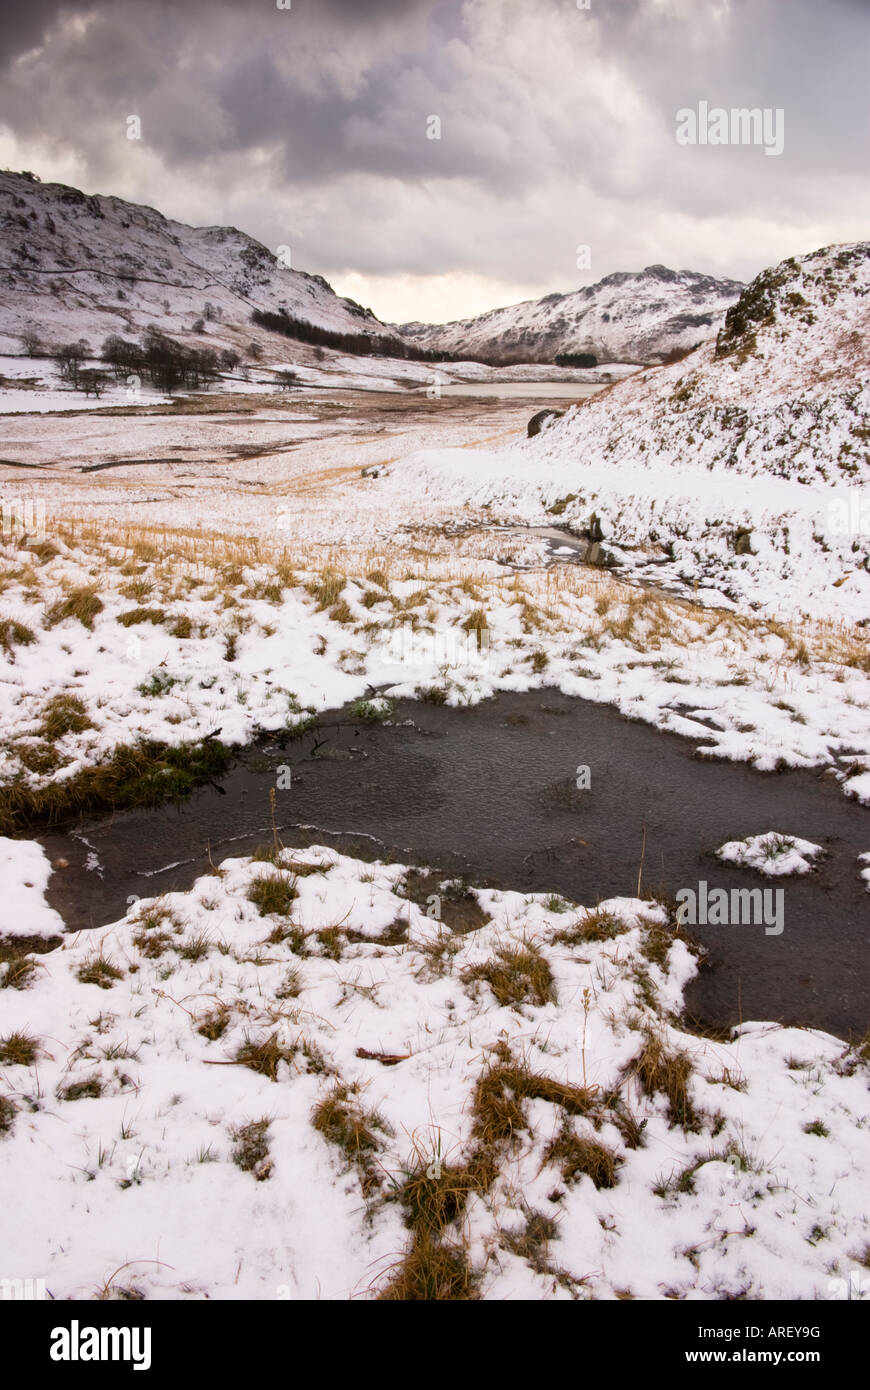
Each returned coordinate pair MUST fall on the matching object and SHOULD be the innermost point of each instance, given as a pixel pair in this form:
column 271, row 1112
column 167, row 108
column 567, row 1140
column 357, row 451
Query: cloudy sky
column 310, row 126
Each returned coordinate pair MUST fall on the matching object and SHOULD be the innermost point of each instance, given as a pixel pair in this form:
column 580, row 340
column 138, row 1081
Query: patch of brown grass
column 516, row 975
column 18, row 1050
column 82, row 603
column 578, row 1155
column 265, row 1056
column 64, row 714
column 661, row 1072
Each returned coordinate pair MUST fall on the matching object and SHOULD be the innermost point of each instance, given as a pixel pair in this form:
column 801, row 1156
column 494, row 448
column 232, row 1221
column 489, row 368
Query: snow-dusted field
column 239, row 562
column 339, row 1097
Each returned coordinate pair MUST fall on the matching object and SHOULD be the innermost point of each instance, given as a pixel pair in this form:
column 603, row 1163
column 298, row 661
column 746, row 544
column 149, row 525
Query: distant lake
column 561, row 390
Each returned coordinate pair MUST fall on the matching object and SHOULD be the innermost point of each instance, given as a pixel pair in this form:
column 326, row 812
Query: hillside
column 744, row 468
column 626, row 317
column 73, row 265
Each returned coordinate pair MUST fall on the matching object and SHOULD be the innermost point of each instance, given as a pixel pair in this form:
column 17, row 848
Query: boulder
column 537, row 422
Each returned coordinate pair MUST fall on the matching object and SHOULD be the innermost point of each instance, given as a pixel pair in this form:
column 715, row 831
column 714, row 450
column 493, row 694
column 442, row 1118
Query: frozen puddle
column 491, row 793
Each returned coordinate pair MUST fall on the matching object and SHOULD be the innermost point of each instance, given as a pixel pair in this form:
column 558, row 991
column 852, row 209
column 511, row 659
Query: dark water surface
column 489, row 792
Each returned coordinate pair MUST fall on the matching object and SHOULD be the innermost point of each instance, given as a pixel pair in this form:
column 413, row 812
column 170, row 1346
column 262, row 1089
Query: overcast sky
column 309, row 126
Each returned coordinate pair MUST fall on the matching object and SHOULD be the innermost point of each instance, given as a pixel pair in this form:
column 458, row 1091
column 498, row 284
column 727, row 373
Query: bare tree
column 92, row 381
column 31, row 341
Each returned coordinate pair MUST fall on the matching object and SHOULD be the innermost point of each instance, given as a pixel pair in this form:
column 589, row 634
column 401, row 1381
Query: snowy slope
column 626, row 317
column 745, row 466
column 73, row 265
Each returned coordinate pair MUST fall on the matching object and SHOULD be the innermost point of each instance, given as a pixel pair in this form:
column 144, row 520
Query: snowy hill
column 626, row 317
column 77, row 266
column 745, row 467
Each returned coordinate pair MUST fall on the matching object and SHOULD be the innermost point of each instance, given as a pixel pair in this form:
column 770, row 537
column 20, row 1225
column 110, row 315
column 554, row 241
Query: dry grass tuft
column 432, row 1272
column 661, row 1072
column 64, row 714
column 578, row 1156
column 516, row 975
column 83, row 604
column 18, row 1050
column 272, row 893
column 593, row 926
column 98, row 971
column 8, row 1111
column 265, row 1056
column 342, row 1121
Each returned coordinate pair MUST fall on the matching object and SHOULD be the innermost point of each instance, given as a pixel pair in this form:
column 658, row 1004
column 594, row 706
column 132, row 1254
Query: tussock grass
column 18, row 1050
column 532, row 1242
column 328, row 589
column 64, row 714
column 662, row 1072
column 579, row 1156
column 99, row 971
column 213, row 1025
column 516, row 975
column 343, row 1121
column 265, row 1056
column 272, row 894
column 332, row 939
column 89, row 1089
column 82, row 603
column 142, row 615
column 152, row 944
column 8, row 1111
column 17, row 972
column 593, row 926
column 14, row 634
column 432, row 1272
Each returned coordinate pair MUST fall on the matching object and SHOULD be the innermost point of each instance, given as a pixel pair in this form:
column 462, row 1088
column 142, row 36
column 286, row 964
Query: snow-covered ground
column 745, row 470
column 314, row 1087
column 638, row 315
column 215, row 1098
column 174, row 642
column 772, row 854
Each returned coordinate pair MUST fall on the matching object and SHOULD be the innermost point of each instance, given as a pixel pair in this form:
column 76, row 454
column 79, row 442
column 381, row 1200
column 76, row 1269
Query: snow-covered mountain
column 73, row 265
column 626, row 317
column 745, row 467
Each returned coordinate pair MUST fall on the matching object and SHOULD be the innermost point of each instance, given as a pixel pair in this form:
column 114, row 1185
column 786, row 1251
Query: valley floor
column 294, row 1080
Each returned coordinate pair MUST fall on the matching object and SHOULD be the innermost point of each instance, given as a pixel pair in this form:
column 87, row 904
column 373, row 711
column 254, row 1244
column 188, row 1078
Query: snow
column 138, row 1187
column 24, row 874
column 635, row 317
column 771, row 854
